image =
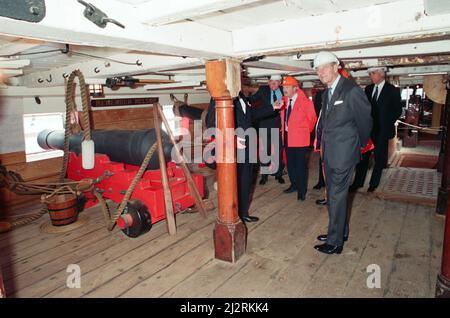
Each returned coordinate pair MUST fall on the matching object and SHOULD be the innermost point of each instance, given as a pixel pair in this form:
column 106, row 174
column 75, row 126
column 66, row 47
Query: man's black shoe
column 321, row 202
column 371, row 189
column 353, row 188
column 280, row 180
column 323, row 238
column 329, row 249
column 250, row 219
column 301, row 197
column 318, row 186
column 290, row 189
column 263, row 180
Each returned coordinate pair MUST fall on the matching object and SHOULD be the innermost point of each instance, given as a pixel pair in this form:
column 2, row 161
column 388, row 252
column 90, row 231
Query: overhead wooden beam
column 355, row 27
column 398, row 61
column 281, row 63
column 158, row 12
column 16, row 46
column 65, row 23
column 388, row 50
column 173, row 85
column 7, row 72
column 137, row 64
column 12, row 64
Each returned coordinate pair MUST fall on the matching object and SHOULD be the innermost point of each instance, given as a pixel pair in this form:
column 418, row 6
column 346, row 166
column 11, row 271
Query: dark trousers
column 321, row 181
column 297, row 166
column 338, row 182
column 244, row 184
column 268, row 148
column 381, row 158
column 361, row 170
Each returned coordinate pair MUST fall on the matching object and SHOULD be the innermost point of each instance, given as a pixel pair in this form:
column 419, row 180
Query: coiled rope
column 72, row 126
column 15, row 182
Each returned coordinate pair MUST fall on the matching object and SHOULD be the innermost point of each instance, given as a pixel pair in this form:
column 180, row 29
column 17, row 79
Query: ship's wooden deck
column 405, row 240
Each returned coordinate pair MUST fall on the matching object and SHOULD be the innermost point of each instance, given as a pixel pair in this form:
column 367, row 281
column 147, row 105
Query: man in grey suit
column 346, row 126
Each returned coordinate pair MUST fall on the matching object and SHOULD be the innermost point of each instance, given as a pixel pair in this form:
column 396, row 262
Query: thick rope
column 15, row 182
column 439, row 128
column 72, row 127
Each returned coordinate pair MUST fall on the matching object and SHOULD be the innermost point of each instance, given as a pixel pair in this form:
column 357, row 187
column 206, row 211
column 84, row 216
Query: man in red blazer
column 298, row 119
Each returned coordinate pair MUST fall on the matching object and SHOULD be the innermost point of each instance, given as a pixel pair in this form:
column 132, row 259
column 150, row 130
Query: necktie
column 375, row 95
column 274, row 97
column 330, row 94
column 287, row 114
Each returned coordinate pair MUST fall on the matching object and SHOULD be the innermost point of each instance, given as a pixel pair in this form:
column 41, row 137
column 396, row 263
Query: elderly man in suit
column 386, row 109
column 346, row 124
column 268, row 95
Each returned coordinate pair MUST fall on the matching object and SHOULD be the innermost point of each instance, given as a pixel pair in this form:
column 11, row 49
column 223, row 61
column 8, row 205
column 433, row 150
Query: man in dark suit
column 268, row 95
column 244, row 116
column 346, row 124
column 386, row 109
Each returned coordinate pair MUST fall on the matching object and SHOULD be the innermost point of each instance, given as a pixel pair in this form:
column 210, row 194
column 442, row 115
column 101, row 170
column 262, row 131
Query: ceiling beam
column 10, row 63
column 388, row 50
column 65, row 23
column 148, row 64
column 8, row 72
column 160, row 12
column 173, row 85
column 398, row 61
column 398, row 71
column 16, row 46
column 280, row 63
column 371, row 25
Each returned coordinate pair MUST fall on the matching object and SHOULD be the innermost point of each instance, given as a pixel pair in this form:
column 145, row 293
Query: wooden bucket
column 62, row 208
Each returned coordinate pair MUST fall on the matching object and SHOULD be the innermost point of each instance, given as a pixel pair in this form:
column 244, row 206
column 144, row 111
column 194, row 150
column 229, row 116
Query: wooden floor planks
column 405, row 240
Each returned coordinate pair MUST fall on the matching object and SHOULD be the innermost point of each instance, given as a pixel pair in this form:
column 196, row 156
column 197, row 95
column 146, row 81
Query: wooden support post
column 2, row 286
column 230, row 234
column 170, row 218
column 190, row 181
column 436, row 117
column 443, row 281
column 441, row 207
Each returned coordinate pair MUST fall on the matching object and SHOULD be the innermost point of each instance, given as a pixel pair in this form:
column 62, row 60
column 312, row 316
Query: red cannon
column 146, row 205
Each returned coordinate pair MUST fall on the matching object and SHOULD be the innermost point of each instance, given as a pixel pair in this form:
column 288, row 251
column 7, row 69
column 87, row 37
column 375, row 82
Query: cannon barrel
column 126, row 146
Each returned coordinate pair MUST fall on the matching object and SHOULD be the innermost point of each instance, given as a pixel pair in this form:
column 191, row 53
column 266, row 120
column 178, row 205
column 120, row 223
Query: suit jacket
column 269, row 120
column 301, row 121
column 241, row 119
column 346, row 125
column 386, row 111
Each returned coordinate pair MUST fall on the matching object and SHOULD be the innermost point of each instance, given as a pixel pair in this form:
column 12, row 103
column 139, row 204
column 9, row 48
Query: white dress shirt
column 293, row 98
column 333, row 86
column 243, row 105
column 380, row 87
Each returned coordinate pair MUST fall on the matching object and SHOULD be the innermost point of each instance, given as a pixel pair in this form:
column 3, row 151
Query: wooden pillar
column 230, row 234
column 436, row 116
column 2, row 286
column 441, row 207
column 443, row 281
